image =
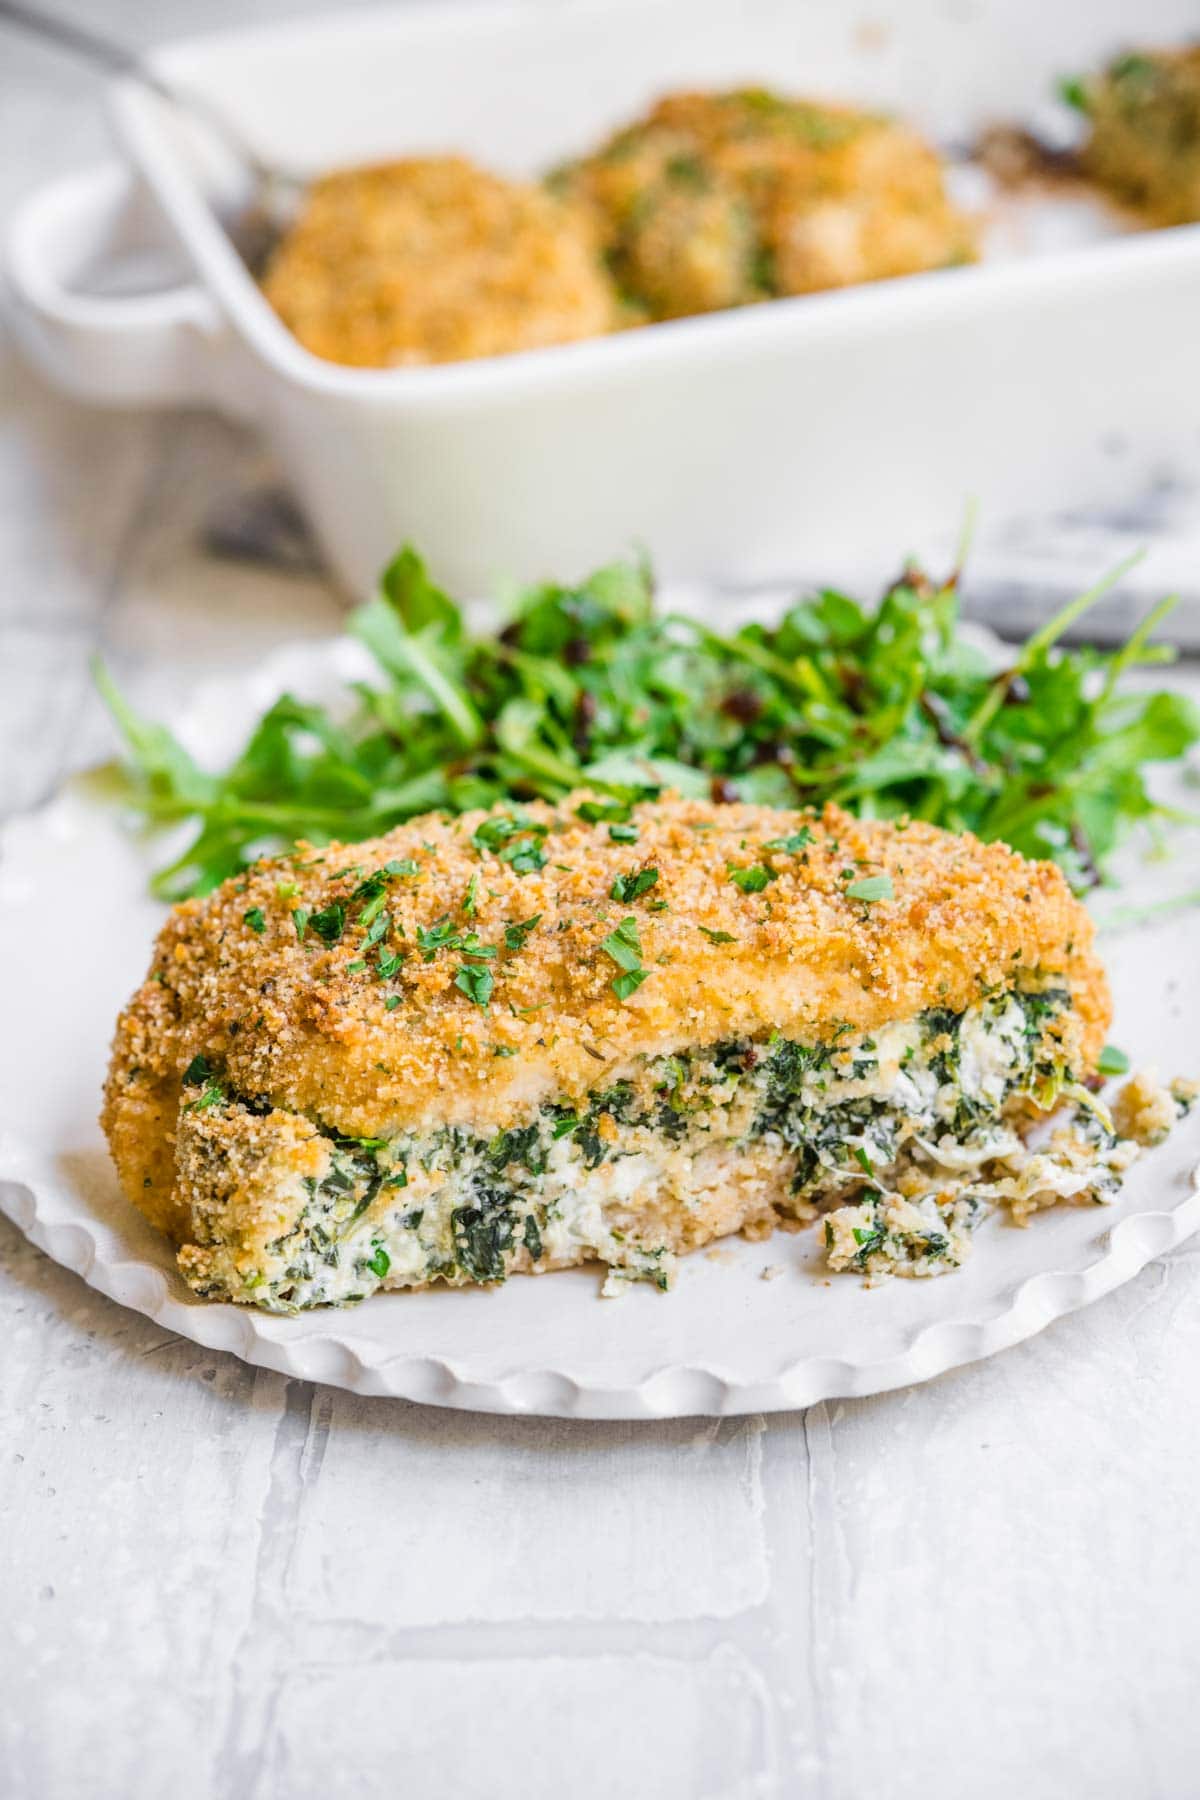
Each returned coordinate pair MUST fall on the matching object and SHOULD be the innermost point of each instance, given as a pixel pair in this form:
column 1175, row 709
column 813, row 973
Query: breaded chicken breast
column 434, row 260
column 714, row 200
column 522, row 1039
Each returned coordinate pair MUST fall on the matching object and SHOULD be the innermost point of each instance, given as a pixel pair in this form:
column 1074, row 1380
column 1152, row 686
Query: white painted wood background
column 218, row 1583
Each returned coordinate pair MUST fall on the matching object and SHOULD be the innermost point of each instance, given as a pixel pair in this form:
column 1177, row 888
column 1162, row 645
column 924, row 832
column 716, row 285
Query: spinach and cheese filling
column 911, row 1123
column 521, row 1039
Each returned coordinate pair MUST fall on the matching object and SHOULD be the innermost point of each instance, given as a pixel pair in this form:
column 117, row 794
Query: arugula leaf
column 406, row 586
column 174, row 785
column 884, row 711
column 416, row 632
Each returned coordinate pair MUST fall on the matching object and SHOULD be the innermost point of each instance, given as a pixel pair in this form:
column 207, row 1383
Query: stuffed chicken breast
column 518, row 1040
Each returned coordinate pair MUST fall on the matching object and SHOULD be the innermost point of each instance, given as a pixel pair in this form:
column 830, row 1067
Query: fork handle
column 105, row 52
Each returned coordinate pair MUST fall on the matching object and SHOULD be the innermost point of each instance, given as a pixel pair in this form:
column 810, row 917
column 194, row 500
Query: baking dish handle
column 165, row 345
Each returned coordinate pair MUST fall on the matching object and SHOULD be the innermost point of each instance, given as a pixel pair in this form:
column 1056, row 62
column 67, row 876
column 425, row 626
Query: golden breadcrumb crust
column 434, row 260
column 719, row 199
column 305, row 1025
column 1144, row 143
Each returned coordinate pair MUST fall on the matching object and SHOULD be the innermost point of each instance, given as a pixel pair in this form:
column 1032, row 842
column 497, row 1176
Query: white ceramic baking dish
column 820, row 433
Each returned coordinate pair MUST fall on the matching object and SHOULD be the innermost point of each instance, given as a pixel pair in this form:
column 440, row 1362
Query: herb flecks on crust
column 303, row 1021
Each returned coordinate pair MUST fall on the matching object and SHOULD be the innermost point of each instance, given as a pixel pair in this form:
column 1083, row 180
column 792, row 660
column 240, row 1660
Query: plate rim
column 60, row 1222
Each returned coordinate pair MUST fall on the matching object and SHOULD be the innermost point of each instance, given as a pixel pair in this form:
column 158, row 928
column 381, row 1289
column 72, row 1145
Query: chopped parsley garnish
column 329, row 923
column 596, row 812
column 256, row 919
column 516, row 933
column 515, row 838
column 1112, row 1061
column 300, row 921
column 624, row 946
column 380, row 926
column 491, row 834
column 443, row 934
column 476, row 981
column 372, row 909
column 369, row 895
column 885, row 710
column 788, row 846
column 632, row 886
column 388, row 963
column 213, row 1094
column 524, row 857
column 871, row 888
column 623, row 834
column 754, row 879
column 391, row 1003
column 197, row 1071
column 468, row 902
column 716, row 937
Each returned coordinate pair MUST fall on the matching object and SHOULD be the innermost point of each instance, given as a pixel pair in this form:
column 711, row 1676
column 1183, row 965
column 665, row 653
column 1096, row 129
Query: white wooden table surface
column 216, row 1582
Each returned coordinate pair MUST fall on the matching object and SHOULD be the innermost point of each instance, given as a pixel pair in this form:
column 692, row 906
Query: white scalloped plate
column 75, row 931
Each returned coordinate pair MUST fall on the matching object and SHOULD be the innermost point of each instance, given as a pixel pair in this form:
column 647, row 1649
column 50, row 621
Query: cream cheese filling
column 909, row 1125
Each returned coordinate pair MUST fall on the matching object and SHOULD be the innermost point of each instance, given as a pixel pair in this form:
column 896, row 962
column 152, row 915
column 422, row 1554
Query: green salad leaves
column 887, row 710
